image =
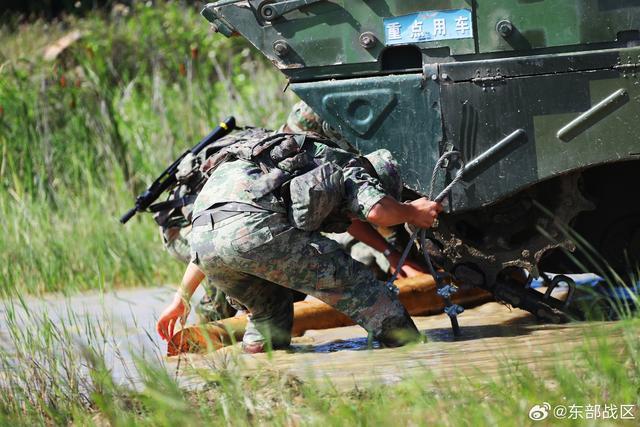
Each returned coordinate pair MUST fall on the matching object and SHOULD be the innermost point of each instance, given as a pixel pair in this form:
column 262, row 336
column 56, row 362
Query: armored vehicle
column 546, row 90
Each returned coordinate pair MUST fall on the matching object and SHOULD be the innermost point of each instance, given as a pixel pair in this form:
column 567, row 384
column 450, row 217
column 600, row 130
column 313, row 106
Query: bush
column 84, row 133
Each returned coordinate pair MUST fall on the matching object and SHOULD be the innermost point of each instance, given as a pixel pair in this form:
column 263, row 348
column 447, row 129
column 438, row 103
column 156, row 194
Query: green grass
column 81, row 135
column 56, row 373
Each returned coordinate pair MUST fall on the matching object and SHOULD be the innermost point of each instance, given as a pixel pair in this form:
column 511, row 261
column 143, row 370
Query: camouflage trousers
column 213, row 305
column 258, row 259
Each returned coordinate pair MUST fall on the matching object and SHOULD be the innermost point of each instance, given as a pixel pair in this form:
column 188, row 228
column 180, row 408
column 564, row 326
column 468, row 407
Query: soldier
column 256, row 236
column 302, row 119
column 175, row 222
column 175, row 227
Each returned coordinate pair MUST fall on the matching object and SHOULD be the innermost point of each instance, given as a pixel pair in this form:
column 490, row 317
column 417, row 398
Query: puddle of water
column 353, row 344
column 127, row 318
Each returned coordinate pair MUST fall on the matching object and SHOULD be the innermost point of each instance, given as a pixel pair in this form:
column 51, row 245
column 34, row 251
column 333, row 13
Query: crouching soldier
column 174, row 222
column 256, row 235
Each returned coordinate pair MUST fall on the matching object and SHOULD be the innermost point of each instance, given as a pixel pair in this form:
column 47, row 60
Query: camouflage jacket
column 232, row 181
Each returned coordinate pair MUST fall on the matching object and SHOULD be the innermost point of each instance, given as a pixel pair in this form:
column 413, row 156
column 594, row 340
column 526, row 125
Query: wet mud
column 493, row 338
column 492, row 334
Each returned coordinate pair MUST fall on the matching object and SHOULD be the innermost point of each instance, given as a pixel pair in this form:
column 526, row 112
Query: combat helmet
column 302, row 119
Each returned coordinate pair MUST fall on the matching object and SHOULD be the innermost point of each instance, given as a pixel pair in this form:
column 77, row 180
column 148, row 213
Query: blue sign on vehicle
column 428, row 26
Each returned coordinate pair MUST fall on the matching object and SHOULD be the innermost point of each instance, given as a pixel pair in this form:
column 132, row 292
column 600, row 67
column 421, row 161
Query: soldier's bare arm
column 179, row 307
column 388, row 212
column 371, row 202
column 365, row 233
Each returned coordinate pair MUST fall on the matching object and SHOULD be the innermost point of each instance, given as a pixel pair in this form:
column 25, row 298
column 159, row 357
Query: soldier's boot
column 253, row 341
column 384, row 316
column 398, row 331
column 269, row 324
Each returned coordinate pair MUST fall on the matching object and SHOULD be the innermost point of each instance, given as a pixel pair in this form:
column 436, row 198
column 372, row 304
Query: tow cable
column 469, row 171
column 445, row 291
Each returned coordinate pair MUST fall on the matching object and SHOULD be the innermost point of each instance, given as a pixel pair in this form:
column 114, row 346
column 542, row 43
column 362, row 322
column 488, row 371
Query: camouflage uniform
column 303, row 119
column 387, row 172
column 175, row 230
column 258, row 257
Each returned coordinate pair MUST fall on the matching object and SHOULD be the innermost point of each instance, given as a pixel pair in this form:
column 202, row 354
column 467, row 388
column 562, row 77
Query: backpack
column 177, row 209
column 311, row 190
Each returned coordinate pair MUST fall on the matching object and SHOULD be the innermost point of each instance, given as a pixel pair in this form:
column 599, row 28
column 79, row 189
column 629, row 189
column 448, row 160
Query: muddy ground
column 492, row 334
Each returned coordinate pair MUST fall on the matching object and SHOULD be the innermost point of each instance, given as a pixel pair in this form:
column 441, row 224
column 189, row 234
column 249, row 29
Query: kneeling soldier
column 256, row 235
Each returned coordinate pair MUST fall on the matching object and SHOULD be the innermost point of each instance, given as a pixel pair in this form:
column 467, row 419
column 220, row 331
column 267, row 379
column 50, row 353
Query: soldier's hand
column 178, row 310
column 424, row 212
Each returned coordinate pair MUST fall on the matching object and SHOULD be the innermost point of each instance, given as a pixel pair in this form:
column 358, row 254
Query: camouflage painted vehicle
column 549, row 90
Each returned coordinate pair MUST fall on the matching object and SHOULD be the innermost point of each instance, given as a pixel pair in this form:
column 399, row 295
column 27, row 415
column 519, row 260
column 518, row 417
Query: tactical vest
column 177, row 210
column 311, row 190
